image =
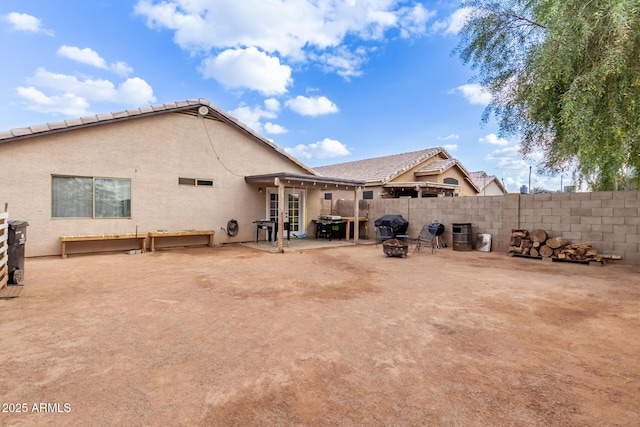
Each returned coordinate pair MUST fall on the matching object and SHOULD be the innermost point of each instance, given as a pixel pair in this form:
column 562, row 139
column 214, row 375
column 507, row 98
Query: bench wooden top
column 181, row 233
column 103, row 237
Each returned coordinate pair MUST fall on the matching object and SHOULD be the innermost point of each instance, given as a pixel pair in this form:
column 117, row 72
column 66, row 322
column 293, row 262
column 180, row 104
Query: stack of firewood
column 537, row 243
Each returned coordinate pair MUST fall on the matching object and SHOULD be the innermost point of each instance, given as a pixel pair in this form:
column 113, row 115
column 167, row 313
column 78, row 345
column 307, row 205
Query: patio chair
column 425, row 238
column 384, row 233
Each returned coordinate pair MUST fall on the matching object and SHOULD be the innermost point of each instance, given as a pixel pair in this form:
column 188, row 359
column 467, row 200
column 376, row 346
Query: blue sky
column 328, row 80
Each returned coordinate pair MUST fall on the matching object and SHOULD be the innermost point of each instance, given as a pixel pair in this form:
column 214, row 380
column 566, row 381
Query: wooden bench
column 153, row 235
column 99, row 237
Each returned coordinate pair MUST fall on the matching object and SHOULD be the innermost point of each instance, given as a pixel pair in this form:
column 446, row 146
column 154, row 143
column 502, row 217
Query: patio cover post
column 281, row 207
column 356, row 215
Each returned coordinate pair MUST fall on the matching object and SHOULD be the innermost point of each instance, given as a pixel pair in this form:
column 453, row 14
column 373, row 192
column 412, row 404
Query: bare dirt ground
column 342, row 336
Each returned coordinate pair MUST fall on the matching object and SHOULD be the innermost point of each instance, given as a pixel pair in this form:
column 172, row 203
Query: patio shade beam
column 302, row 180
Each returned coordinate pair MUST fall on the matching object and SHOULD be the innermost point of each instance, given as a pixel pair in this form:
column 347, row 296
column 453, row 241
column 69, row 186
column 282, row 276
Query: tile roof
column 380, row 168
column 437, row 166
column 69, row 124
column 188, row 106
column 481, row 181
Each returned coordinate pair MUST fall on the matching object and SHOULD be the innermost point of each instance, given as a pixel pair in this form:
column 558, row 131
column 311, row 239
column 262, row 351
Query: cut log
column 516, row 249
column 538, row 235
column 534, row 252
column 516, row 241
column 519, row 233
column 557, row 242
column 578, row 252
column 583, row 244
column 545, row 251
column 536, row 244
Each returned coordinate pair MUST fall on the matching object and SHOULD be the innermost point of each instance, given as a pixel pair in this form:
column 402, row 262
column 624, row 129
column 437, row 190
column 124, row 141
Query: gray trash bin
column 15, row 251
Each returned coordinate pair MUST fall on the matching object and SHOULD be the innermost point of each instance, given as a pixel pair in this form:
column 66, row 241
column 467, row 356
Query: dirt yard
column 343, row 336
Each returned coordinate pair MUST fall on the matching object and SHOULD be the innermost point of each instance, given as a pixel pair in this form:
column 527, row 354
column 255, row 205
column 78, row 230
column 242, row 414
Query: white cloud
column 475, row 94
column 509, row 158
column 67, row 104
column 272, row 104
column 85, row 56
column 325, row 149
column 121, row 68
column 451, row 147
column 91, row 57
column 249, row 68
column 515, row 170
column 69, row 95
column 134, row 91
column 448, row 137
column 252, row 116
column 293, row 31
column 341, row 61
column 454, row 23
column 314, row 106
column 492, row 138
column 274, row 129
column 25, row 22
column 413, row 20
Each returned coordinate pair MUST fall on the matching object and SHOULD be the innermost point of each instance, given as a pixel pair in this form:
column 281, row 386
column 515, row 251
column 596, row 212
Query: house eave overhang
column 421, row 185
column 290, row 179
column 429, row 173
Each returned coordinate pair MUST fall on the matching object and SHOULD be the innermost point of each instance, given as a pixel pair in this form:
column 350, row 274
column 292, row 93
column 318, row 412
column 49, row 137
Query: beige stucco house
column 178, row 166
column 488, row 185
column 426, row 173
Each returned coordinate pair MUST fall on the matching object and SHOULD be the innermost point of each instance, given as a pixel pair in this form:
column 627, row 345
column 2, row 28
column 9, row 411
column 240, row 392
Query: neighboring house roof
column 385, row 169
column 190, row 107
column 436, row 167
column 482, row 180
column 380, row 169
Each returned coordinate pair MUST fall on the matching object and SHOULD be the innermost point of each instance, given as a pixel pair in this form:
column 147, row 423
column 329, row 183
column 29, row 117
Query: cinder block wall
column 611, row 220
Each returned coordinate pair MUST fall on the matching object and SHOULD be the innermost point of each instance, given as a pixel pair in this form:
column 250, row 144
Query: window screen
column 84, row 197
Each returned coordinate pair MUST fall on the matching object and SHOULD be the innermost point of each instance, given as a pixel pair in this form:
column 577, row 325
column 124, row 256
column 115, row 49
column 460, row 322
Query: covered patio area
column 301, row 204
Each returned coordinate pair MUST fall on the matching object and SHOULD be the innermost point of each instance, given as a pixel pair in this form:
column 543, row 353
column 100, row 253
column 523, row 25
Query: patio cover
column 283, row 180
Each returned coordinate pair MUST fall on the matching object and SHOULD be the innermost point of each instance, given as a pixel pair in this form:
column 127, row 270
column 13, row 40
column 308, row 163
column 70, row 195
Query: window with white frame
column 89, row 197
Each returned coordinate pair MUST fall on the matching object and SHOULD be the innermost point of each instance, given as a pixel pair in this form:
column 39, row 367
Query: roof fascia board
column 316, row 179
column 421, row 184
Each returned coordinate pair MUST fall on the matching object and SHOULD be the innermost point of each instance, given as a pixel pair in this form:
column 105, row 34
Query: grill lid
column 436, row 228
column 397, row 223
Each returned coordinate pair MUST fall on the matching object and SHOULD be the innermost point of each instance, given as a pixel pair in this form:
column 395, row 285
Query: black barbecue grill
column 436, row 229
column 397, row 224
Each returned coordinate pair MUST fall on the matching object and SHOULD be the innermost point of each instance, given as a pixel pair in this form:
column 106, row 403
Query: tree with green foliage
column 565, row 78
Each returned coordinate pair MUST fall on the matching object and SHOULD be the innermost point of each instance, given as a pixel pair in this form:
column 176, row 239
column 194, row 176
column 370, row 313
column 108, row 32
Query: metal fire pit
column 395, row 248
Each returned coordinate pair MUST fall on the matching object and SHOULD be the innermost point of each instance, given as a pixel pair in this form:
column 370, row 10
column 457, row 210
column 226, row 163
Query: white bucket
column 483, row 244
